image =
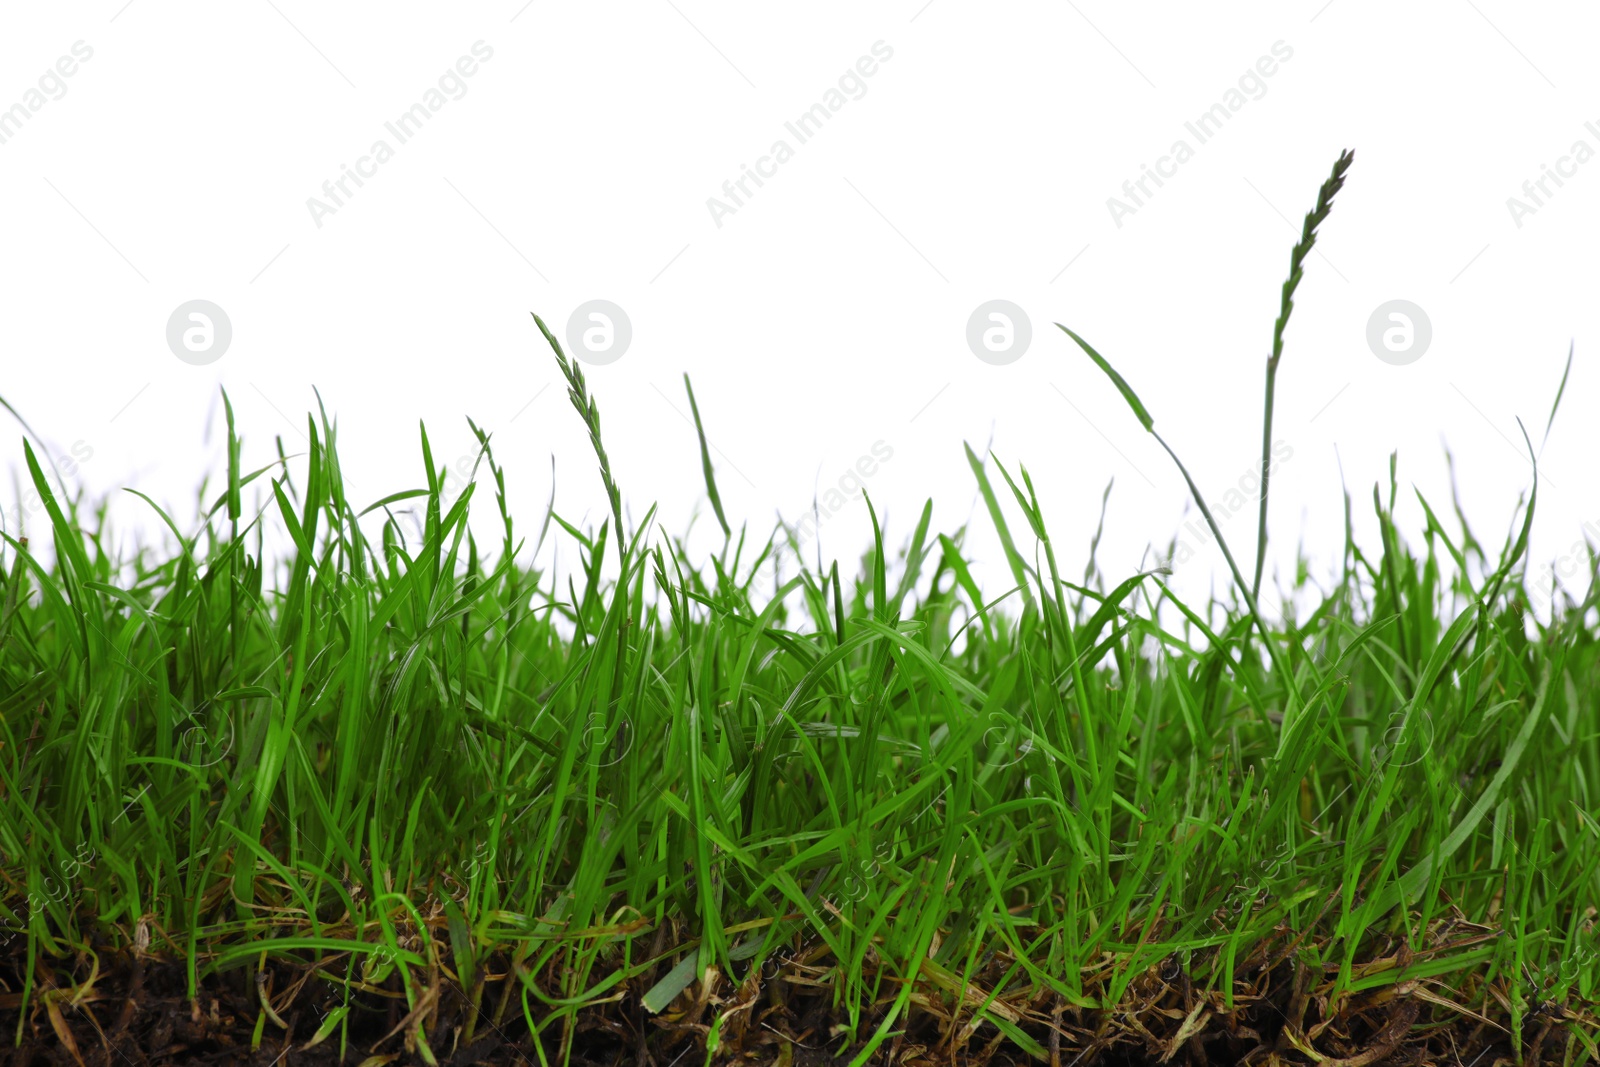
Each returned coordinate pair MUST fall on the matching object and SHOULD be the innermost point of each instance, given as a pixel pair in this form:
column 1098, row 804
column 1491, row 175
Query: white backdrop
column 513, row 157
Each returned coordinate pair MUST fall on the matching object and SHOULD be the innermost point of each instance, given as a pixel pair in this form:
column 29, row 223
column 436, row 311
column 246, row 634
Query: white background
column 829, row 312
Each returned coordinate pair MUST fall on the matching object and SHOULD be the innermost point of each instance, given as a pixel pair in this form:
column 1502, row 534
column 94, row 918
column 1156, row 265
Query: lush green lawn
column 889, row 818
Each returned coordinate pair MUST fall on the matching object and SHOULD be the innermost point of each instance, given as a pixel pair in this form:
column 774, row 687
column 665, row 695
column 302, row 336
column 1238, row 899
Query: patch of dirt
column 133, row 1011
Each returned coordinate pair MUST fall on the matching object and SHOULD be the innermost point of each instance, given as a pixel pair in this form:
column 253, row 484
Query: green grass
column 1056, row 821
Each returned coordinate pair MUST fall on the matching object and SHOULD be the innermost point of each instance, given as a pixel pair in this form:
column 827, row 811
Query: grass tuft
column 393, row 795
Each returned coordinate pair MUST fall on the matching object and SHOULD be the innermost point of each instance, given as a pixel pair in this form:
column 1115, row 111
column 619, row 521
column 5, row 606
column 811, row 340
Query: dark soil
column 133, row 1012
